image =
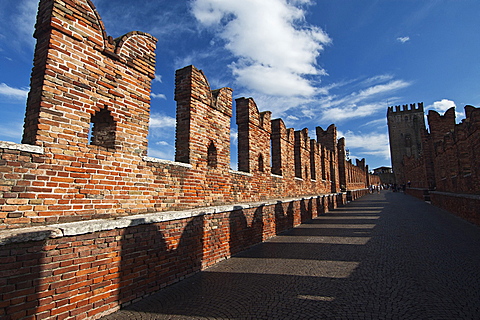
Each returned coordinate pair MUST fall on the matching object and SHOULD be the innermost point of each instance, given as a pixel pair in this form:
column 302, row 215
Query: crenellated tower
column 406, row 129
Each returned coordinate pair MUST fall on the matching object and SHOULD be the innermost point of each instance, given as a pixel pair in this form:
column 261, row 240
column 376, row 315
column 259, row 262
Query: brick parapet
column 88, row 269
column 203, row 120
column 327, row 138
column 450, row 160
column 254, row 136
column 54, row 231
column 315, row 160
column 42, row 189
column 466, row 206
column 302, row 154
column 92, row 224
column 355, row 177
column 86, row 83
column 77, row 74
column 283, row 141
column 440, row 125
column 449, row 164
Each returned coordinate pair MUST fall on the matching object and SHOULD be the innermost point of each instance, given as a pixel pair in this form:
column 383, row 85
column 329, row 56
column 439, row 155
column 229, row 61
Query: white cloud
column 14, row 93
column 373, row 92
column 24, row 20
column 380, row 89
column 11, row 131
column 233, row 136
column 403, row 39
column 168, row 154
column 338, row 114
column 162, row 134
column 377, row 123
column 367, row 144
column 278, row 105
column 158, row 95
column 443, row 105
column 274, row 45
column 272, row 81
column 158, row 78
column 379, row 78
column 362, row 103
column 158, row 120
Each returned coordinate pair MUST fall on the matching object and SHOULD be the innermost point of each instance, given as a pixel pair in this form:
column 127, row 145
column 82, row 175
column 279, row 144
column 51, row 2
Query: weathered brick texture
column 254, row 136
column 90, row 223
column 88, row 269
column 449, row 163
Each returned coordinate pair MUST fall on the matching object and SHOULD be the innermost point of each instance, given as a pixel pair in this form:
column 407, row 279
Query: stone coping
column 248, row 174
column 90, row 226
column 21, row 147
column 450, row 194
column 457, row 195
column 167, row 162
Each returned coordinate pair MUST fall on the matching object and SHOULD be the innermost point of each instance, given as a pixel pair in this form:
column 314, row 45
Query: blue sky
column 310, row 62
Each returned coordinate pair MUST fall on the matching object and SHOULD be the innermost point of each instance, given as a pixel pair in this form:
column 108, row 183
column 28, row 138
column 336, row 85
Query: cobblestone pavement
column 384, row 256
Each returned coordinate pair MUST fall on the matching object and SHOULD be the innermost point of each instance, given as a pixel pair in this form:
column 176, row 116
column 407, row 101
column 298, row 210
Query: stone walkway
column 384, row 256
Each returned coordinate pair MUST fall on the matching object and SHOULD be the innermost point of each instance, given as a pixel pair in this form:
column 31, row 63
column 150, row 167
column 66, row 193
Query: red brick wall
column 86, row 269
column 463, row 205
column 456, row 158
column 203, row 119
column 302, row 154
column 451, row 153
column 82, row 77
column 355, row 176
column 79, row 71
column 99, row 230
column 450, row 164
column 254, row 135
column 283, row 142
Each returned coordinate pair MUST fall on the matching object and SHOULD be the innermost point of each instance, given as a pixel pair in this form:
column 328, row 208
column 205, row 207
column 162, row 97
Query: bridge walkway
column 383, row 256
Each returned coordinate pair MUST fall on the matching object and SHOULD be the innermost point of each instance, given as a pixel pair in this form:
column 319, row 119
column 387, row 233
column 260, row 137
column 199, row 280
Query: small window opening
column 261, row 167
column 102, row 129
column 212, row 155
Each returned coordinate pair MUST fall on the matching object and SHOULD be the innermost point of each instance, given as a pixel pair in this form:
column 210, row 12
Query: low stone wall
column 422, row 194
column 466, row 206
column 90, row 268
column 352, row 195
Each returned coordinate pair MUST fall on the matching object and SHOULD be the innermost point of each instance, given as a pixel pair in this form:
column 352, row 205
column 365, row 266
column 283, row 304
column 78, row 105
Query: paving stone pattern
column 384, row 256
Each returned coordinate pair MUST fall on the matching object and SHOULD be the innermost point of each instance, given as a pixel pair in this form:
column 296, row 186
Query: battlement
column 83, row 178
column 413, row 107
column 444, row 157
column 328, row 137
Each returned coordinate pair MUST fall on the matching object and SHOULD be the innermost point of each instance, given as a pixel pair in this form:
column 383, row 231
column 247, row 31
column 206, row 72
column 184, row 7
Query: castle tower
column 406, row 127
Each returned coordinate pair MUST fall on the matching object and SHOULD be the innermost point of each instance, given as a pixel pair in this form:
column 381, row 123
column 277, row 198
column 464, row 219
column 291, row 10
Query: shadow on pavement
column 407, row 260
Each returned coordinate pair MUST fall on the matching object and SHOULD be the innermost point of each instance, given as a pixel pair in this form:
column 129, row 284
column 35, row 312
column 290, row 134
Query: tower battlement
column 413, row 107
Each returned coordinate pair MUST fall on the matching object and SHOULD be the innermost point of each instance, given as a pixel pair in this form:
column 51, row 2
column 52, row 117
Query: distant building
column 386, row 175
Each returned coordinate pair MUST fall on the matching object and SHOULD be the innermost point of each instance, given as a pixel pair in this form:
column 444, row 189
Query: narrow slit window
column 261, row 167
column 212, row 155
